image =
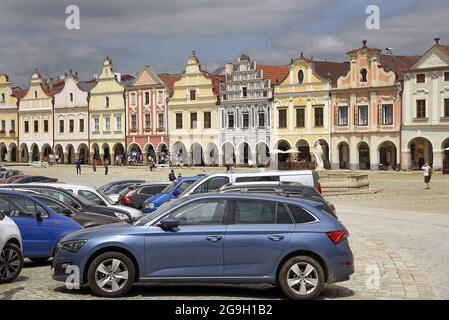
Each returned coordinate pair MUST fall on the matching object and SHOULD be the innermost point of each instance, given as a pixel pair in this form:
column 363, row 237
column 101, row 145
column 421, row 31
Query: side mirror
column 169, row 223
column 39, row 216
column 67, row 212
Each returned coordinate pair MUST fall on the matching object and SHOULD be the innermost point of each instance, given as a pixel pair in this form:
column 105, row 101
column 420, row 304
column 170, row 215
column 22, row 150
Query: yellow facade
column 8, row 121
column 107, row 116
column 306, row 90
column 195, row 141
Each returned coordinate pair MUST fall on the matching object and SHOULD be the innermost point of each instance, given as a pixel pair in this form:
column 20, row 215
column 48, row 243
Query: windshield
column 170, row 187
column 105, row 197
column 193, row 185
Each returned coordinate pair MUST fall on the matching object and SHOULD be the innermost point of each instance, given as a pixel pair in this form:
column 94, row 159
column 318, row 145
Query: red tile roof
column 274, row 73
column 216, row 80
column 445, row 48
column 397, row 64
column 169, row 80
column 331, row 70
column 18, row 92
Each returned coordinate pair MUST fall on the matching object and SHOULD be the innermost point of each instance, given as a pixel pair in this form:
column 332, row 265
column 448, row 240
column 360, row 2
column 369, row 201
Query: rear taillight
column 337, row 236
column 127, row 200
column 318, row 187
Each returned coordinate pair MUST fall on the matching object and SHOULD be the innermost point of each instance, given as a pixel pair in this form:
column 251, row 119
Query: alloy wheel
column 111, row 275
column 9, row 263
column 302, row 278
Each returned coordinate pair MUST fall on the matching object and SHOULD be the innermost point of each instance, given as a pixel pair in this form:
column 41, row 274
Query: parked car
column 40, row 226
column 86, row 220
column 93, row 197
column 225, row 237
column 135, row 195
column 72, row 200
column 108, row 187
column 9, row 173
column 213, row 182
column 31, row 179
column 11, row 179
column 283, row 189
column 11, row 257
column 172, row 191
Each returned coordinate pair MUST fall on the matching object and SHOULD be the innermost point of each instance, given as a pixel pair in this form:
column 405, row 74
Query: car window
column 4, row 206
column 257, row 178
column 282, row 215
column 147, row 190
column 254, row 212
column 22, row 207
column 183, row 186
column 52, row 204
column 158, row 189
column 208, row 212
column 216, row 183
column 91, row 198
column 300, row 214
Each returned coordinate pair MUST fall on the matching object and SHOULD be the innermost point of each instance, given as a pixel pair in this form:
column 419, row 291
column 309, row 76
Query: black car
column 284, row 189
column 86, row 220
column 135, row 195
column 72, row 200
column 117, row 186
column 30, row 179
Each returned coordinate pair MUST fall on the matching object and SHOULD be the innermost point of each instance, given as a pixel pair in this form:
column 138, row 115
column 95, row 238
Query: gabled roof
column 153, row 75
column 86, row 86
column 58, row 85
column 397, row 64
column 443, row 48
column 331, row 70
column 169, row 80
column 274, row 73
column 126, row 80
column 18, row 92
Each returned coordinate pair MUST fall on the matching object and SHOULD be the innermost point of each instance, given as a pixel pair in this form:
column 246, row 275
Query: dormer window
column 3, row 99
column 107, row 102
column 35, row 94
column 363, row 75
column 71, row 97
column 300, row 77
column 192, row 94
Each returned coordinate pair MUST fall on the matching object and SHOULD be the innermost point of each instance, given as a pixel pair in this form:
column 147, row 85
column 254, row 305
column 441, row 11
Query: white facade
column 425, row 132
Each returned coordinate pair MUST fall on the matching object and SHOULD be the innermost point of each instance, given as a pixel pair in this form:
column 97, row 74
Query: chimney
column 437, row 40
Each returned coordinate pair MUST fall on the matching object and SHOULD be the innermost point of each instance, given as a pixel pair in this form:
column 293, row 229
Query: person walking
column 171, row 175
column 94, row 165
column 78, row 166
column 106, row 166
column 179, row 175
column 427, row 174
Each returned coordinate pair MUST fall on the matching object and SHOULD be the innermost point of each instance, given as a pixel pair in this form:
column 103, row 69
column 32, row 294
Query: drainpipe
column 400, row 128
column 125, row 121
column 88, row 128
column 18, row 131
column 53, row 124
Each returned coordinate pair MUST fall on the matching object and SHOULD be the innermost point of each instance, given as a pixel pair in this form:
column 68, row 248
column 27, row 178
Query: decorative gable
column 434, row 58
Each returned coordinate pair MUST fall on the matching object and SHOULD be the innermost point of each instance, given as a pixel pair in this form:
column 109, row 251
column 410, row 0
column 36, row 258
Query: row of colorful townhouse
column 375, row 111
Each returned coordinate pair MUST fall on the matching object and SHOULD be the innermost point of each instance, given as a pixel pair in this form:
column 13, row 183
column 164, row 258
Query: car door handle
column 276, row 237
column 214, row 238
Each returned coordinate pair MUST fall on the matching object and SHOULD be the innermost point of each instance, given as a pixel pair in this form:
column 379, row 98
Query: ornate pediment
column 444, row 90
column 421, row 91
column 434, row 58
column 362, row 100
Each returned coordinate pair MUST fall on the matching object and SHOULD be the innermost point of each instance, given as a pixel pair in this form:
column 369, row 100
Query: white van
column 214, row 182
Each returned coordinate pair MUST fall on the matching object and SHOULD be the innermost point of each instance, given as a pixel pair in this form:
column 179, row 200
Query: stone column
column 145, row 158
column 335, row 156
column 353, row 154
column 374, row 158
column 66, row 158
column 437, row 160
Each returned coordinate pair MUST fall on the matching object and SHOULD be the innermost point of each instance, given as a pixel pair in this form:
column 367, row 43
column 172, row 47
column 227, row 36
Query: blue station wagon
column 214, row 238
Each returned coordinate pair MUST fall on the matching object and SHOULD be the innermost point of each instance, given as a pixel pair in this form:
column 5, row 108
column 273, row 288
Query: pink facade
column 146, row 115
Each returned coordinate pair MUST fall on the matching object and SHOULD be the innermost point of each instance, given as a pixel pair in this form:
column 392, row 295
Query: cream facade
column 8, row 121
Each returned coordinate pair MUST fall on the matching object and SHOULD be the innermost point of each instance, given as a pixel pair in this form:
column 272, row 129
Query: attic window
column 363, row 74
column 300, row 76
column 71, row 97
column 421, row 78
column 35, row 94
column 2, row 99
column 192, row 94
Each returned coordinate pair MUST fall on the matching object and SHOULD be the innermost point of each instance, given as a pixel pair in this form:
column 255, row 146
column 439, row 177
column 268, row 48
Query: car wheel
column 301, row 278
column 39, row 260
column 11, row 263
column 111, row 274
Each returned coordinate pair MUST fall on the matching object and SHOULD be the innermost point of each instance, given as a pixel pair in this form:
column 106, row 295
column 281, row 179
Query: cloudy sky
column 162, row 34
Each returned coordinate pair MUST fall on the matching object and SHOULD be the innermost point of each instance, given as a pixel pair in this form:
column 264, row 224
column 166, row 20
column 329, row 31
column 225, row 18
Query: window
column 133, row 99
column 230, row 120
column 81, row 125
column 36, row 126
column 27, row 128
column 387, row 114
column 259, row 212
column 179, row 121
column 118, row 122
column 160, row 97
column 245, row 117
column 446, row 108
column 147, row 97
column 90, row 198
column 319, row 120
column 261, row 119
column 193, row 120
column 300, row 117
column 97, row 124
column 107, row 102
column 107, row 124
column 71, row 125
column 3, row 98
column 147, row 121
column 212, row 185
column 363, row 75
column 421, row 78
column 21, row 207
column 300, row 77
column 207, row 120
column 3, row 125
column 301, row 215
column 35, row 94
column 282, row 118
column 61, row 126
column 13, row 125
column 192, row 94
column 134, row 121
column 160, row 120
column 45, row 126
column 420, row 108
column 244, row 92
column 446, row 76
column 201, row 213
column 362, row 115
column 71, row 97
column 257, row 178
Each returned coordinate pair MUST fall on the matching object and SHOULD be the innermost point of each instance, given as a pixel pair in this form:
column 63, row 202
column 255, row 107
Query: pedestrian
column 151, row 162
column 171, row 175
column 427, row 174
column 78, row 166
column 179, row 175
column 94, row 164
column 106, row 166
